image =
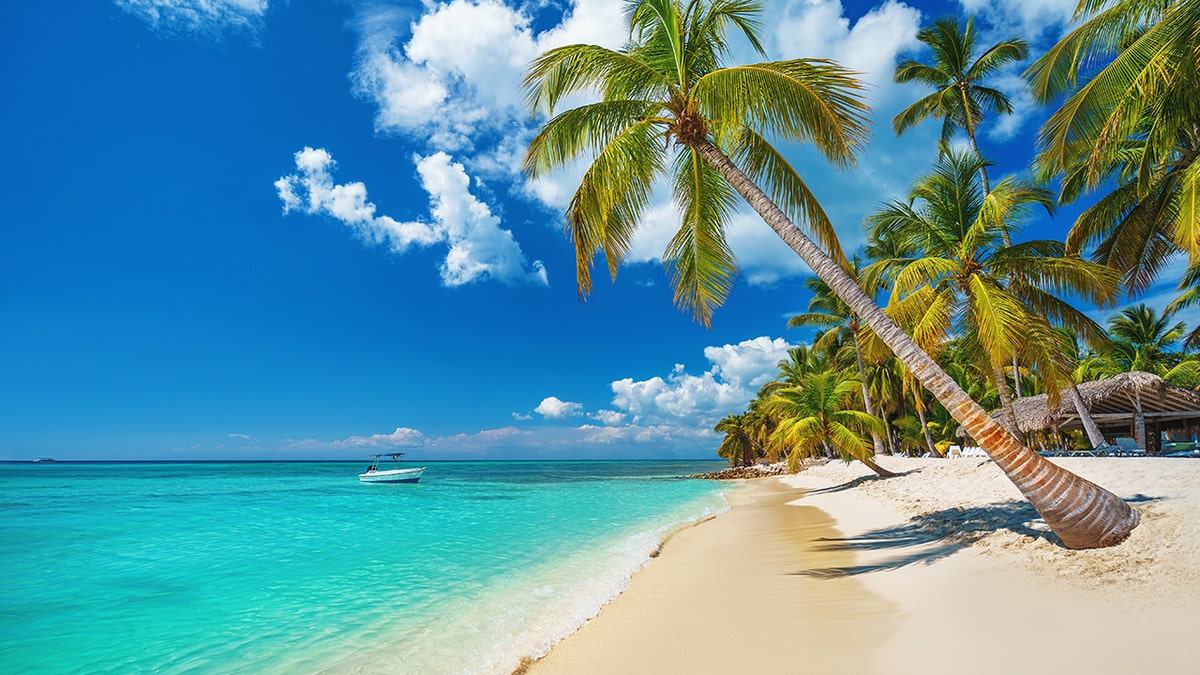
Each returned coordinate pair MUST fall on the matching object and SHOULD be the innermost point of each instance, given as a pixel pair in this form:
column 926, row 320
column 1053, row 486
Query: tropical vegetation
column 667, row 110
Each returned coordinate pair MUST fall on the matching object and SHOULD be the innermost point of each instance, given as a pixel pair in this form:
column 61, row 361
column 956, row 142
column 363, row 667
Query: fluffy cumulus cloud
column 206, row 17
column 682, row 399
column 402, row 437
column 609, row 418
column 429, row 82
column 552, row 407
column 478, row 248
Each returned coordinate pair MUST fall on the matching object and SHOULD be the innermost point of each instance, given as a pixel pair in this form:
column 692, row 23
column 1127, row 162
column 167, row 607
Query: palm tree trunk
column 1085, row 416
column 887, row 430
column 1006, row 402
column 933, row 451
column 862, row 377
column 1081, row 513
column 1016, row 376
column 883, row 473
column 983, row 176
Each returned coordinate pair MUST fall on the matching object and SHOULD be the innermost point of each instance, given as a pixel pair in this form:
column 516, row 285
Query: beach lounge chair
column 1127, row 447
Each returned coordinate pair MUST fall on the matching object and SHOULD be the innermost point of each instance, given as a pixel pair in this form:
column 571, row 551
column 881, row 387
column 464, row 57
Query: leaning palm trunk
column 1081, row 513
column 1085, row 416
column 883, row 473
column 862, row 376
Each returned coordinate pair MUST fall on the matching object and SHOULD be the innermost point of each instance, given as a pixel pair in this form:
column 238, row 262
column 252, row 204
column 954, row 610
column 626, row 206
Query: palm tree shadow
column 930, row 537
column 848, row 485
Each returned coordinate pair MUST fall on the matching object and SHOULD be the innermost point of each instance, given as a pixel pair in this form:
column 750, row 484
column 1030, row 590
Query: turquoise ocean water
column 297, row 567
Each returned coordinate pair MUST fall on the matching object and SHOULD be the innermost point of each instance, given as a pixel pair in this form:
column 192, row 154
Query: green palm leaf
column 702, row 264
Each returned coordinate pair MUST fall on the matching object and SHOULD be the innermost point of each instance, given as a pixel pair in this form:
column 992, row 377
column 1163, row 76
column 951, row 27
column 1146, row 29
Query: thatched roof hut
column 1123, row 405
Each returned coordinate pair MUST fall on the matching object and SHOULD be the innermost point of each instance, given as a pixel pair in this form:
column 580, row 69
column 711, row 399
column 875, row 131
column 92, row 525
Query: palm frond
column 702, row 264
column 998, row 319
column 587, row 128
column 804, row 100
column 572, row 69
column 606, row 207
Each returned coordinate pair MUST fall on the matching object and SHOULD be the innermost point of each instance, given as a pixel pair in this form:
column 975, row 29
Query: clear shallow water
column 297, row 567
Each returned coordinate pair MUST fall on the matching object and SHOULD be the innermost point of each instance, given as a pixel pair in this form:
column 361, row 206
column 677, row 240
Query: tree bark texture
column 1081, row 513
column 1085, row 417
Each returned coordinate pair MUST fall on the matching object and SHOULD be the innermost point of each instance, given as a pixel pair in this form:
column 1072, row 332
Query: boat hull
column 392, row 476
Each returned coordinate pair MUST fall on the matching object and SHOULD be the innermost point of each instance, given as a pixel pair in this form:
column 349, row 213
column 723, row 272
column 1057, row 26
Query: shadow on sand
column 930, row 537
column 848, row 485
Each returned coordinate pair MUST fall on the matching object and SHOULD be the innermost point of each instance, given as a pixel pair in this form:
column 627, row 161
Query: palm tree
column 1073, row 356
column 959, row 97
column 827, row 310
column 816, row 415
column 1144, row 340
column 802, row 360
column 1149, row 333
column 954, row 273
column 738, row 445
column 1135, row 122
column 668, row 91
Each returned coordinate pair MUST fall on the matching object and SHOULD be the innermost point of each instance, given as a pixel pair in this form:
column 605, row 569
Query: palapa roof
column 1113, row 402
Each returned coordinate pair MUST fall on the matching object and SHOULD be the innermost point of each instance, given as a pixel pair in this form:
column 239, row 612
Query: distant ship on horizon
column 45, row 460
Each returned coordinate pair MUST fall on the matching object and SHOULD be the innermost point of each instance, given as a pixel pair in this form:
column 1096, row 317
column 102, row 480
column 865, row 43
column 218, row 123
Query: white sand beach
column 944, row 569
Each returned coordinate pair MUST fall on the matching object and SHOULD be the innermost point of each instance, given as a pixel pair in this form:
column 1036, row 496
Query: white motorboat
column 397, row 475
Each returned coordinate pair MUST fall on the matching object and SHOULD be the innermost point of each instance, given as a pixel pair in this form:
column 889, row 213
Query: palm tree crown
column 959, row 98
column 662, row 96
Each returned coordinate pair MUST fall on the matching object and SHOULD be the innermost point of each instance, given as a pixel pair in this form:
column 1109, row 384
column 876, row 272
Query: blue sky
column 253, row 229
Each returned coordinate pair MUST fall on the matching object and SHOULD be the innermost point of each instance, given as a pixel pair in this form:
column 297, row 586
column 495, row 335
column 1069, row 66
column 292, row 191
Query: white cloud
column 609, row 418
column 478, row 247
column 208, row 17
column 1030, row 19
column 698, row 401
column 452, row 91
column 658, row 434
column 819, row 29
column 402, row 437
column 312, row 190
column 552, row 407
column 244, row 437
column 1004, row 127
column 487, row 439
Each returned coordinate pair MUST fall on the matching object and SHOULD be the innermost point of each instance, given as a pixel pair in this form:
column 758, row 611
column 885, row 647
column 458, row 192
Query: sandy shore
column 944, row 569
